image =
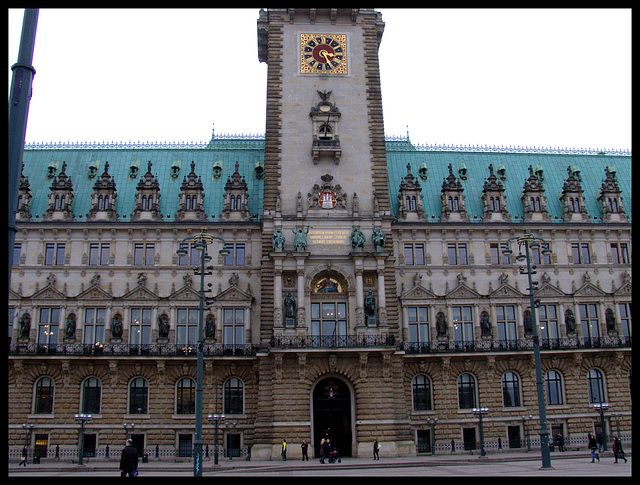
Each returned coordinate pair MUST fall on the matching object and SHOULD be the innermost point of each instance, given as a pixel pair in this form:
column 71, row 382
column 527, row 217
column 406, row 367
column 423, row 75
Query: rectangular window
column 192, row 258
column 496, row 254
column 506, row 323
column 462, row 324
column 414, row 254
column 17, row 247
column 233, row 327
column 625, row 319
column 581, row 253
column 236, row 255
column 457, row 253
column 143, row 254
column 589, row 321
column 140, row 326
column 187, row 326
column 54, row 254
column 538, row 257
column 93, row 326
column 99, row 254
column 418, row 325
column 329, row 324
column 620, row 253
column 48, row 327
column 548, row 323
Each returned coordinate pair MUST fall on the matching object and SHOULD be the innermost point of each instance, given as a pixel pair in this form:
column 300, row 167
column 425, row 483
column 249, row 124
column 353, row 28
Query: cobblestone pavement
column 570, row 464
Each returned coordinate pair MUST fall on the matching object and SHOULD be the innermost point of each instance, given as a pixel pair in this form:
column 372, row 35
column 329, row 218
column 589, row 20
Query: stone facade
column 317, row 326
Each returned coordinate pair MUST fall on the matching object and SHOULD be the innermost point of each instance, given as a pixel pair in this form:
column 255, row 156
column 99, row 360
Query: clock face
column 323, row 53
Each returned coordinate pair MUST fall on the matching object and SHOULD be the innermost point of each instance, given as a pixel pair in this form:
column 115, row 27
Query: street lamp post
column 82, row 419
column 128, row 427
column 601, row 407
column 525, row 421
column 481, row 412
column 215, row 419
column 200, row 242
column 432, row 422
column 527, row 241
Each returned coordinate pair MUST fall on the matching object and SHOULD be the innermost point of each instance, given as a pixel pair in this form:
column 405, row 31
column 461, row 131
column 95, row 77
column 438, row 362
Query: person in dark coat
column 593, row 446
column 129, row 460
column 618, row 452
column 326, row 450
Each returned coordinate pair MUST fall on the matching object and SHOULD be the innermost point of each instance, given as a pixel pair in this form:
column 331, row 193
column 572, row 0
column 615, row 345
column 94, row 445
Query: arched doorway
column 332, row 415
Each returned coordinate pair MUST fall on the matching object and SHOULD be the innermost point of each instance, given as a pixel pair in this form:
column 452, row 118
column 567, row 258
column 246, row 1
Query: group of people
column 326, row 452
column 595, row 445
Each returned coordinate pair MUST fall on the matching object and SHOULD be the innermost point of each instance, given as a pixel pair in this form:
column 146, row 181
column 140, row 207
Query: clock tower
column 326, row 268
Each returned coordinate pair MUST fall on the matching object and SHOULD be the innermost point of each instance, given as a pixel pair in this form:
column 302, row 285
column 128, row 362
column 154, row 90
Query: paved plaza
column 569, row 464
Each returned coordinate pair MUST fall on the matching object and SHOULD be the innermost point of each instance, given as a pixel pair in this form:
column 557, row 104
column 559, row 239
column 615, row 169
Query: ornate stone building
column 365, row 295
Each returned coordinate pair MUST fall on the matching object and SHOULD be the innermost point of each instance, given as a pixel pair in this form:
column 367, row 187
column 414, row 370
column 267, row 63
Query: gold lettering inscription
column 336, row 236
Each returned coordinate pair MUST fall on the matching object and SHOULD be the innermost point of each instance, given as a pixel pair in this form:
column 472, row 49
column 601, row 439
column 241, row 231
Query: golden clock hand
column 326, row 55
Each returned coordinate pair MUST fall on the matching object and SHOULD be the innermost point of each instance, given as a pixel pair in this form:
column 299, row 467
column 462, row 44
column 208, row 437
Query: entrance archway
column 332, row 415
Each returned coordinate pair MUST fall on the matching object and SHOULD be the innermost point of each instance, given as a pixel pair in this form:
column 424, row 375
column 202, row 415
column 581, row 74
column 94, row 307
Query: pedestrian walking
column 283, row 453
column 561, row 443
column 326, row 450
column 129, row 460
column 305, row 447
column 599, row 441
column 23, row 457
column 376, row 449
column 618, row 452
column 593, row 446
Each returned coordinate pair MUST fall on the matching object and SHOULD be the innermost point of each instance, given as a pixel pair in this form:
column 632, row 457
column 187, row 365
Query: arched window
column 421, row 390
column 186, row 396
column 510, row 390
column 43, row 396
column 553, row 384
column 91, row 393
column 595, row 382
column 138, row 396
column 466, row 391
column 233, row 396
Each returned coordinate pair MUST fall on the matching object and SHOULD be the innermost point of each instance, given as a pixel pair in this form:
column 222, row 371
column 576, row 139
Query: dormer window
column 610, row 198
column 104, row 197
column 147, row 198
column 191, row 206
column 236, row 206
column 452, row 199
column 61, row 198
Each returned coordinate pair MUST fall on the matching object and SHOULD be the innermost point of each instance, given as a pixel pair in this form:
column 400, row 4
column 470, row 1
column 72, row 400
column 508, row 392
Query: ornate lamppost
column 525, row 421
column 82, row 419
column 527, row 241
column 601, row 407
column 215, row 419
column 481, row 412
column 432, row 439
column 200, row 242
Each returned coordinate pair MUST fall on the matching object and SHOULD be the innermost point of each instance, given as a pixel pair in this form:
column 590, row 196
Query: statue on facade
column 70, row 328
column 441, row 325
column 116, row 326
column 25, row 325
column 378, row 237
column 485, row 324
column 210, row 327
column 528, row 322
column 163, row 326
column 278, row 240
column 300, row 241
column 570, row 321
column 357, row 238
column 289, row 306
column 610, row 320
column 370, row 308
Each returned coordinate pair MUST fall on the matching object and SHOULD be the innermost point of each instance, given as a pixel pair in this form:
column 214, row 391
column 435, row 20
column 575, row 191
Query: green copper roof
column 554, row 166
column 249, row 151
column 78, row 161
